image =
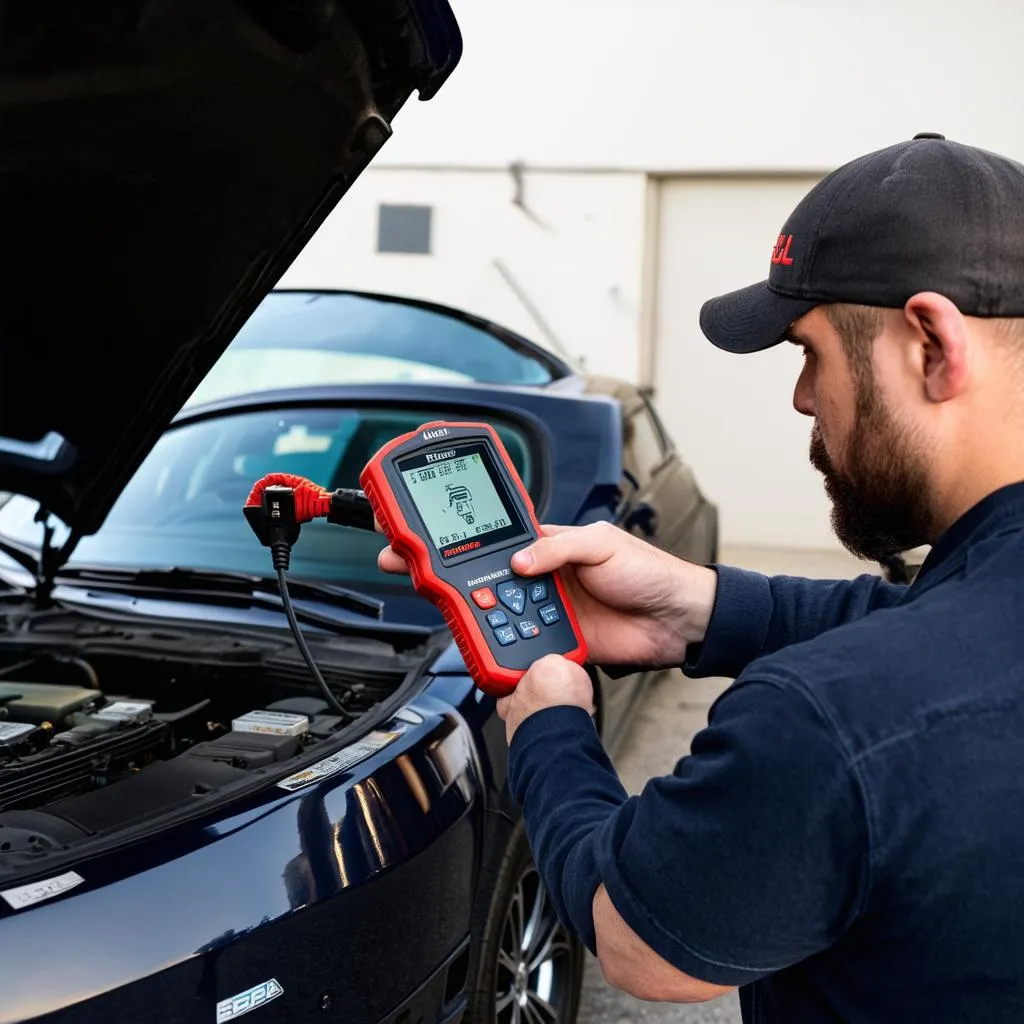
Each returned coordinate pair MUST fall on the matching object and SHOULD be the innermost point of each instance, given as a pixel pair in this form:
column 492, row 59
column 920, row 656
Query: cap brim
column 751, row 319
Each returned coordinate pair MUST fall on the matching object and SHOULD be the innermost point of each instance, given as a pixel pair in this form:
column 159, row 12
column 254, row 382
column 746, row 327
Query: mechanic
column 845, row 840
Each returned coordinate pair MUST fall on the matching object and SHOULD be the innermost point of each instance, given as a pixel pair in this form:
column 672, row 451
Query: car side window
column 643, row 449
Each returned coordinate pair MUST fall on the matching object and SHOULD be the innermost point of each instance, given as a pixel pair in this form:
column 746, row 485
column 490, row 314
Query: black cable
column 332, row 701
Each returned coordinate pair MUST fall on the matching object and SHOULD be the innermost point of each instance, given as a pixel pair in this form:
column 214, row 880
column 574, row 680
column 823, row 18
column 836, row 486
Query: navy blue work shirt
column 846, row 839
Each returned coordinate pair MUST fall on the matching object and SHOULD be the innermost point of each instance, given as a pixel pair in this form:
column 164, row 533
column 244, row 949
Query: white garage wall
column 732, row 415
column 679, row 85
column 571, row 263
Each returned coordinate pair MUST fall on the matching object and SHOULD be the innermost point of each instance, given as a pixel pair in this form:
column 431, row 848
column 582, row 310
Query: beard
column 880, row 500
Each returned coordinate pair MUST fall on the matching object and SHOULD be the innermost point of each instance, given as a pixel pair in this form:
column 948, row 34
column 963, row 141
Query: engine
column 57, row 740
column 122, row 726
column 62, row 747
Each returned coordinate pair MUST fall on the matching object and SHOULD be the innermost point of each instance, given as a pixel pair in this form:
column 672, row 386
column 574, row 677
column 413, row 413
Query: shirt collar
column 1003, row 506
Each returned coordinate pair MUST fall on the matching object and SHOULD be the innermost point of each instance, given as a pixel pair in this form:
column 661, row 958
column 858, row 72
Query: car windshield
column 300, row 339
column 183, row 507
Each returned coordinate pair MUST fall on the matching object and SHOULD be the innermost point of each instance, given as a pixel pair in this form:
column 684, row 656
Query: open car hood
column 163, row 163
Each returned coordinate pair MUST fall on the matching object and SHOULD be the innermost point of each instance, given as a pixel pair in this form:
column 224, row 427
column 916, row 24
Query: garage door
column 732, row 416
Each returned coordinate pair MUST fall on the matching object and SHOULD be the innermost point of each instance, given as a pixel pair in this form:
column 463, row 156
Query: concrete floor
column 674, row 710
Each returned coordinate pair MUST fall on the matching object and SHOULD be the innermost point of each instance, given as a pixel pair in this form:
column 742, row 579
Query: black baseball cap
column 923, row 215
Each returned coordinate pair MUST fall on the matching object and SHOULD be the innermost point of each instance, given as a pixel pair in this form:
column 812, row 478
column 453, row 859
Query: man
column 845, row 841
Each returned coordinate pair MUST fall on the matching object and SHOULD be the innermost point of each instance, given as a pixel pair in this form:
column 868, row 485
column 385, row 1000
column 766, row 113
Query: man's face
column 874, row 470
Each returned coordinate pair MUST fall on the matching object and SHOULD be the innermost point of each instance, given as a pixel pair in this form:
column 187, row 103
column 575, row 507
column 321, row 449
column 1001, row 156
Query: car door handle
column 642, row 517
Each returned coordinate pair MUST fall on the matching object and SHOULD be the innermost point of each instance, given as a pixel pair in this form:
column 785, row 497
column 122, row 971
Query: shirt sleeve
column 756, row 615
column 750, row 857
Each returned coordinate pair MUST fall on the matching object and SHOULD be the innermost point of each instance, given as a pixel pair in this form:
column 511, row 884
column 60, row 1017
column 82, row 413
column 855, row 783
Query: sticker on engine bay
column 340, row 761
column 26, row 895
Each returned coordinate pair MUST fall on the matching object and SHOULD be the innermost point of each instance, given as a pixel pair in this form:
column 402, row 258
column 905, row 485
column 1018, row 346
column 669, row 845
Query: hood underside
column 163, row 163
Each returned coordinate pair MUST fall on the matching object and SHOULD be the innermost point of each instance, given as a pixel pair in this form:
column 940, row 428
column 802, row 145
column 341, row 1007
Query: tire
column 527, row 969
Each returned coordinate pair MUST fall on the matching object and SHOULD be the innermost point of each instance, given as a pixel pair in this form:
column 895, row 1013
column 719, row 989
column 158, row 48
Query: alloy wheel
column 533, row 981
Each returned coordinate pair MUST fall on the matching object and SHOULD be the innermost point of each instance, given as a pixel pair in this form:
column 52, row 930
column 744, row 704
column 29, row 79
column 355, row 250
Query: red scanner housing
column 448, row 498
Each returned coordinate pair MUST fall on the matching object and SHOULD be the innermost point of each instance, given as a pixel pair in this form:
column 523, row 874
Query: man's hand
column 550, row 682
column 636, row 603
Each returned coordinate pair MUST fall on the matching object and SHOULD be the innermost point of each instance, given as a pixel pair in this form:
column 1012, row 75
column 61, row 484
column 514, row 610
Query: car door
column 666, row 506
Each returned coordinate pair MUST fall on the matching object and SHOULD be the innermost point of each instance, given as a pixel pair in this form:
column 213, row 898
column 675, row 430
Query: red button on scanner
column 484, row 597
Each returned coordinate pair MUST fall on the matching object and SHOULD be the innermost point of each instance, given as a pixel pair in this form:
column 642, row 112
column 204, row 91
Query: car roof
column 314, row 337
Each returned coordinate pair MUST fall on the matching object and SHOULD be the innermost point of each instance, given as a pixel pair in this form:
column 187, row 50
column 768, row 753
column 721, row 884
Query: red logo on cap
column 780, row 254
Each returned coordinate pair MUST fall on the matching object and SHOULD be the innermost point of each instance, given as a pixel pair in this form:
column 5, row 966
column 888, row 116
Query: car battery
column 257, row 738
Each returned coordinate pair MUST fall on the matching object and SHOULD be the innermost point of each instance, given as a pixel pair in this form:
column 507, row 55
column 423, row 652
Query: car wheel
column 529, row 967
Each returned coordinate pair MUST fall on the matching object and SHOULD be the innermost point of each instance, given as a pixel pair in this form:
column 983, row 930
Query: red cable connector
column 280, row 503
column 311, row 500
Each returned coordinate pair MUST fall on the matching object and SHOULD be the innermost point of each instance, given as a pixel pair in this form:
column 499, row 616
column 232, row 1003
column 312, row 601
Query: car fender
column 374, row 844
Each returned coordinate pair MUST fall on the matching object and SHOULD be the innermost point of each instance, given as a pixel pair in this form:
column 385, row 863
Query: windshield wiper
column 203, row 583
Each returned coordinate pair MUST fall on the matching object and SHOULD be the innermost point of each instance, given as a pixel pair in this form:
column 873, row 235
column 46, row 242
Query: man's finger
column 571, row 545
column 503, row 706
column 551, row 530
column 388, row 561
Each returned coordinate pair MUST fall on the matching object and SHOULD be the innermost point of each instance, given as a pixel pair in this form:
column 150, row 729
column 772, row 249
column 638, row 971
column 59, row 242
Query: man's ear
column 943, row 349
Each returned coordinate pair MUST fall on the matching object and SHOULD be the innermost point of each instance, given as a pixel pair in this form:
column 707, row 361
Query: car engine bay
column 119, row 730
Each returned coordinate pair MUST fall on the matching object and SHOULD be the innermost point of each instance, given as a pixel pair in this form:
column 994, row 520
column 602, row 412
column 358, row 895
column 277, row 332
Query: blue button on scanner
column 538, row 592
column 548, row 614
column 496, row 619
column 512, row 597
column 505, row 635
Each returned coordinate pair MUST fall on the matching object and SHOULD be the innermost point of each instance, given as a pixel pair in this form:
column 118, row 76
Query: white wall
column 732, row 416
column 681, row 85
column 579, row 263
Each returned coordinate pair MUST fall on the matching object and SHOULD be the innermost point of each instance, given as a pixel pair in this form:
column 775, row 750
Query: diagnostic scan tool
column 451, row 503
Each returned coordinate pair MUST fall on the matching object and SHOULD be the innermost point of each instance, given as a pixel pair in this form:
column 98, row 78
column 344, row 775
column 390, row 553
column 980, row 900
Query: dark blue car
column 373, row 861
column 187, row 831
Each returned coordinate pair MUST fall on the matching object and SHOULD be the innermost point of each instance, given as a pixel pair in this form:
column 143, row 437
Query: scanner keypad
column 531, row 607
